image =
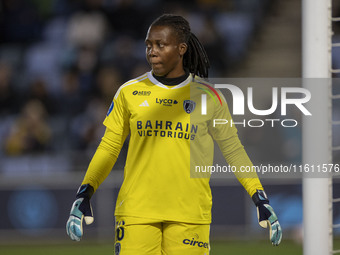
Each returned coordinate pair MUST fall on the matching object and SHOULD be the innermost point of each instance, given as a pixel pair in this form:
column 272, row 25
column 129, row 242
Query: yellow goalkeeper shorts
column 137, row 236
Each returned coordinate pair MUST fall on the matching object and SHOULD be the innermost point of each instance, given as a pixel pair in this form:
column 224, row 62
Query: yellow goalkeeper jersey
column 171, row 132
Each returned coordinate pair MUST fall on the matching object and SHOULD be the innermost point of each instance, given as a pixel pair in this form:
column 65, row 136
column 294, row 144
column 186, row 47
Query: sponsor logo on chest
column 141, row 93
column 166, row 101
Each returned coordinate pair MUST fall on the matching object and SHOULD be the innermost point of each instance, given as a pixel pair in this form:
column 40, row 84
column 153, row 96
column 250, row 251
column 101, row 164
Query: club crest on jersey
column 189, row 106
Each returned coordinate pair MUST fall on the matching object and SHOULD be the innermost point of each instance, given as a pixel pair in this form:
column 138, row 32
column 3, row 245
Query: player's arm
column 99, row 168
column 235, row 154
column 232, row 149
column 117, row 123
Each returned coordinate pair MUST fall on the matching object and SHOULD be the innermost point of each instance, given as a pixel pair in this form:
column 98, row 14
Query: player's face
column 164, row 53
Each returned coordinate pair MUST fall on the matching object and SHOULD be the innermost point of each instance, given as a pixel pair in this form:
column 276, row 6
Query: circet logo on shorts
column 193, row 242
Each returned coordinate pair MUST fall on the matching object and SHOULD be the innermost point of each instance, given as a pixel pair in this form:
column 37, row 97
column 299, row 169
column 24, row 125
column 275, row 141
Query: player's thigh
column 132, row 238
column 183, row 238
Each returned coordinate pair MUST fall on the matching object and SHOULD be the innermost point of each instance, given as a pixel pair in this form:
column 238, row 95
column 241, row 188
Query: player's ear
column 183, row 47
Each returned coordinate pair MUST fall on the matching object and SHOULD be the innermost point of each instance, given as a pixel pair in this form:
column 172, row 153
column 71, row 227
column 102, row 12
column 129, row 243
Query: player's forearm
column 251, row 185
column 99, row 168
column 237, row 157
column 248, row 179
column 104, row 159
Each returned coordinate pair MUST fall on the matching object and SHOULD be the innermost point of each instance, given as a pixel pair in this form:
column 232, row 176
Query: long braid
column 195, row 59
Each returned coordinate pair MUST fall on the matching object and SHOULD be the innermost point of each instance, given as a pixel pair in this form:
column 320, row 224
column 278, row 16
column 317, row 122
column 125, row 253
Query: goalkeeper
column 161, row 208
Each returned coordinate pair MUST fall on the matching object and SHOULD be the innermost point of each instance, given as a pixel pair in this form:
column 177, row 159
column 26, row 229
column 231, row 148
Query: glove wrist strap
column 85, row 191
column 260, row 197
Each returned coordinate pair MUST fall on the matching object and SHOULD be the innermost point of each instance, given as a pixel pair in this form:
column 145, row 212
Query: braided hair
column 195, row 59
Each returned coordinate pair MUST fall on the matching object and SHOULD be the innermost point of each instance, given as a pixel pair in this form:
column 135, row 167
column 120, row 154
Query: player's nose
column 152, row 52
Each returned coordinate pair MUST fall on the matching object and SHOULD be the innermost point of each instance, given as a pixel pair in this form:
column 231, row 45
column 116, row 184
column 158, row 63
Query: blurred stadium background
column 61, row 62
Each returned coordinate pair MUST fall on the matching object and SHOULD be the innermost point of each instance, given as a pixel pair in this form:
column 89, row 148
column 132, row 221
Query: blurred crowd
column 61, row 62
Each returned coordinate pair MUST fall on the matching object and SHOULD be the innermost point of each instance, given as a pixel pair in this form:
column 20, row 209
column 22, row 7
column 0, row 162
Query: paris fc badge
column 189, row 106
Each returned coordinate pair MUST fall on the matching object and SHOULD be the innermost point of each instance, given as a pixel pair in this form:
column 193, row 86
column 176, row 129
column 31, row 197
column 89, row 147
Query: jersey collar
column 159, row 84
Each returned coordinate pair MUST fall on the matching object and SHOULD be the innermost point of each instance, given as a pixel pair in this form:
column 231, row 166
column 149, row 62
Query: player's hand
column 267, row 217
column 81, row 209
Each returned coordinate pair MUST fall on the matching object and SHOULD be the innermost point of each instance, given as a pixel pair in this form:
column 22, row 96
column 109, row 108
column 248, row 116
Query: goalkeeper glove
column 267, row 217
column 81, row 209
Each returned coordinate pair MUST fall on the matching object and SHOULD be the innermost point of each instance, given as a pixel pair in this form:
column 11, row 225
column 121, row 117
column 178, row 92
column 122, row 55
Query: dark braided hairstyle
column 196, row 58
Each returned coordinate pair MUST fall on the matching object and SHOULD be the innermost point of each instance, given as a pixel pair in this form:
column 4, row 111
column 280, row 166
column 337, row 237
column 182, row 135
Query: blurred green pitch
column 217, row 248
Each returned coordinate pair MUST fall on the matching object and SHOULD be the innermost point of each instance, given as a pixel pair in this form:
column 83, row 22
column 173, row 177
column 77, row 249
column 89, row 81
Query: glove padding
column 267, row 217
column 81, row 209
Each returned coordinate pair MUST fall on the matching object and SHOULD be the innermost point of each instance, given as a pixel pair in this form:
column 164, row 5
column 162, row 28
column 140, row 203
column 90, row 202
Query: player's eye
column 148, row 47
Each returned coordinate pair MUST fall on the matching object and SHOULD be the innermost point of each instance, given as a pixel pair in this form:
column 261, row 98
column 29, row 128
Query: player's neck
column 172, row 81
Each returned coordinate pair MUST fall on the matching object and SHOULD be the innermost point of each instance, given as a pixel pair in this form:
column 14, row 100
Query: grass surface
column 217, row 248
column 255, row 248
